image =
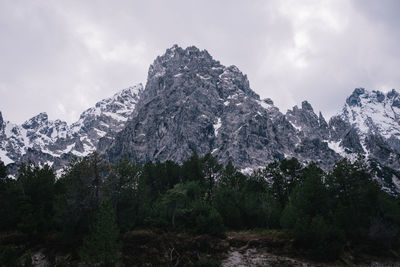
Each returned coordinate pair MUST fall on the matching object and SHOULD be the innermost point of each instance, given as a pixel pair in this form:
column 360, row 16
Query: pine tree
column 101, row 246
column 78, row 195
column 279, row 185
column 36, row 203
column 3, row 170
column 212, row 171
column 232, row 178
column 192, row 170
column 121, row 187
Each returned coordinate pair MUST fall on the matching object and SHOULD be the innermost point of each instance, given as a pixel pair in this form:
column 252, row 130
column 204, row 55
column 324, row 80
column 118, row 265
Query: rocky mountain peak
column 194, row 70
column 192, row 103
column 322, row 121
column 392, row 94
column 36, row 121
column 307, row 122
column 177, row 60
column 129, row 93
column 55, row 142
column 306, row 106
column 380, row 97
column 367, row 109
column 354, row 98
column 361, row 96
column 118, row 107
column 369, row 124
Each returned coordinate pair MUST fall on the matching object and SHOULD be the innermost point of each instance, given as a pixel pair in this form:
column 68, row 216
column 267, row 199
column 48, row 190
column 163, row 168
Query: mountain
column 193, row 103
column 55, row 142
column 369, row 125
column 376, row 118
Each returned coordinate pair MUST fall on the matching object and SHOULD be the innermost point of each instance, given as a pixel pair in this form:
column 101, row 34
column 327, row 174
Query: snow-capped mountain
column 374, row 112
column 193, row 103
column 53, row 139
column 307, row 122
column 373, row 119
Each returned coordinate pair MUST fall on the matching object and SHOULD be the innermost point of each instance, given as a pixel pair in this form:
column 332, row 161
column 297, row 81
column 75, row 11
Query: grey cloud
column 63, row 56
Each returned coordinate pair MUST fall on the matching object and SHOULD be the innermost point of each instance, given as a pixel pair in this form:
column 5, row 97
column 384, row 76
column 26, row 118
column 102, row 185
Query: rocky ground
column 158, row 248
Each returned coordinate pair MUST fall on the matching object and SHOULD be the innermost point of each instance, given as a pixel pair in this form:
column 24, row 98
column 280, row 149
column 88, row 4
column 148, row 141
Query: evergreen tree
column 3, row 170
column 176, row 199
column 159, row 177
column 232, row 178
column 169, row 174
column 192, row 170
column 306, row 213
column 279, row 185
column 101, row 246
column 98, row 167
column 78, row 195
column 207, row 219
column 10, row 195
column 211, row 170
column 292, row 171
column 227, row 202
column 353, row 197
column 36, row 203
column 312, row 197
column 121, row 187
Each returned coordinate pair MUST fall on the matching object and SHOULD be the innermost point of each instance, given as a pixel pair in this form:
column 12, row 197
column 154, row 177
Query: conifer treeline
column 325, row 212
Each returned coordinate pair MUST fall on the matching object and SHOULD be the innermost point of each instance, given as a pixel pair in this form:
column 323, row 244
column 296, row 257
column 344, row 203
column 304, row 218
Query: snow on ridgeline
column 373, row 112
column 57, row 137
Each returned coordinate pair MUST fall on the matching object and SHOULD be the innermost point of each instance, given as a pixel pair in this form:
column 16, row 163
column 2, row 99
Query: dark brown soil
column 160, row 248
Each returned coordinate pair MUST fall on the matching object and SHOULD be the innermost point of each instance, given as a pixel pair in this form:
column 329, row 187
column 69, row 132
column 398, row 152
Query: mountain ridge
column 192, row 103
column 56, row 138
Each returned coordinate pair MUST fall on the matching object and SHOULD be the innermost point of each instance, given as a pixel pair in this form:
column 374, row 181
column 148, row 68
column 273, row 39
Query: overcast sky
column 63, row 56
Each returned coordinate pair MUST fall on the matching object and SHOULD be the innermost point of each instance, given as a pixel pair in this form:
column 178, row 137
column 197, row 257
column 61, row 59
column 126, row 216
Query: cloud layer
column 63, row 56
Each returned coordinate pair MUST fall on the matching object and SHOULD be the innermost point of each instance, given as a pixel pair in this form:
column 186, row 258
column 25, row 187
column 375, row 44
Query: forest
column 94, row 204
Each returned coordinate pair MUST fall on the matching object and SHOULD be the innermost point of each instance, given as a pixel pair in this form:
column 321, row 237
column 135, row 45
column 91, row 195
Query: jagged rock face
column 103, row 121
column 314, row 133
column 373, row 112
column 192, row 103
column 370, row 124
column 351, row 142
column 55, row 142
column 307, row 122
column 1, row 122
column 316, row 150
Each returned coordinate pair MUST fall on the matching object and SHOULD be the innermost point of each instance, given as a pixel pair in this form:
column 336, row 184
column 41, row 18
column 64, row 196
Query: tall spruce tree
column 79, row 192
column 36, row 203
column 212, row 172
column 3, row 170
column 101, row 246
